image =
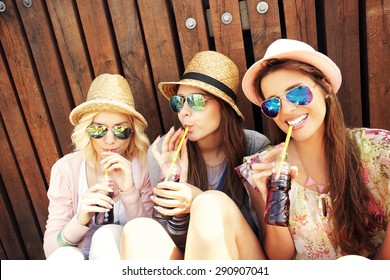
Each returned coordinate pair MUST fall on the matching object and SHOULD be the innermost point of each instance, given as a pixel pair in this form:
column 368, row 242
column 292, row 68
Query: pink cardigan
column 63, row 199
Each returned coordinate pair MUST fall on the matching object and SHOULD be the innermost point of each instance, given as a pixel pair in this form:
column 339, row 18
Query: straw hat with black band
column 288, row 49
column 109, row 93
column 212, row 72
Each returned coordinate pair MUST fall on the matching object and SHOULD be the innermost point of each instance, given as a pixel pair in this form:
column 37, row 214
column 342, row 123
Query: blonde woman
column 109, row 138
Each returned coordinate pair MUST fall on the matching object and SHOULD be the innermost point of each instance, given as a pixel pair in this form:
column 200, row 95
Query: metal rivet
column 27, row 3
column 262, row 7
column 227, row 18
column 2, row 7
column 190, row 23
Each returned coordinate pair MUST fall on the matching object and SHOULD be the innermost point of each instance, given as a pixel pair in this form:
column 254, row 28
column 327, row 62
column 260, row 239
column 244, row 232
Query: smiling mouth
column 298, row 120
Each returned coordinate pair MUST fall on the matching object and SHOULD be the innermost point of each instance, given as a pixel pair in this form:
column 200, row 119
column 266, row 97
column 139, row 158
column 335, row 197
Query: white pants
column 104, row 246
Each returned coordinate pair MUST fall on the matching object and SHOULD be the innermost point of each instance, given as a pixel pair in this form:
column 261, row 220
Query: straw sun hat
column 212, row 72
column 292, row 50
column 110, row 93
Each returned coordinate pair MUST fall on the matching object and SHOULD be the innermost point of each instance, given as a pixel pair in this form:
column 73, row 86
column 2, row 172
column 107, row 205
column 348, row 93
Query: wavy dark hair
column 350, row 196
column 234, row 145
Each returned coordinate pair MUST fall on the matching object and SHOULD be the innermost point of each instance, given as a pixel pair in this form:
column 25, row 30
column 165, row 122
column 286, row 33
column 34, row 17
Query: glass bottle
column 278, row 202
column 172, row 167
column 103, row 218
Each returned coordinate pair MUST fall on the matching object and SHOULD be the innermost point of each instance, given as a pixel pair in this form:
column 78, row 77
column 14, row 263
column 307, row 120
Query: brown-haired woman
column 340, row 199
column 205, row 102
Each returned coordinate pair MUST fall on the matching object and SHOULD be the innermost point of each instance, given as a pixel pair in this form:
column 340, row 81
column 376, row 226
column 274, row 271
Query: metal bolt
column 262, row 7
column 2, row 7
column 190, row 23
column 227, row 18
column 27, row 3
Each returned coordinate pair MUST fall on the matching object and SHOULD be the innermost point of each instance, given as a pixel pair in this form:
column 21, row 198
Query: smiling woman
column 108, row 136
column 341, row 195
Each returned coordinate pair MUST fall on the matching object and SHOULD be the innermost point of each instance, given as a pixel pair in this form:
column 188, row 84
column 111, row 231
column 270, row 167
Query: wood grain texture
column 342, row 37
column 378, row 54
column 228, row 39
column 51, row 51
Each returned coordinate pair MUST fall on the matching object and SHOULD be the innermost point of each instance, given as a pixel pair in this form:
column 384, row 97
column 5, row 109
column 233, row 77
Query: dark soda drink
column 278, row 202
column 174, row 170
column 104, row 218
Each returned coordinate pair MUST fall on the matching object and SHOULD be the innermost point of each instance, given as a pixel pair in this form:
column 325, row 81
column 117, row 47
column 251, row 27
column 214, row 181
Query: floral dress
column 311, row 212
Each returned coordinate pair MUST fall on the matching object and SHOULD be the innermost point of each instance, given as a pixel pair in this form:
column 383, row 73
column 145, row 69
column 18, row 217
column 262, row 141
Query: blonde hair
column 138, row 147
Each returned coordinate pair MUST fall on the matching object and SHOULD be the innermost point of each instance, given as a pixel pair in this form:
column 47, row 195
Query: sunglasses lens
column 96, row 131
column 197, row 102
column 271, row 107
column 122, row 132
column 301, row 95
column 176, row 103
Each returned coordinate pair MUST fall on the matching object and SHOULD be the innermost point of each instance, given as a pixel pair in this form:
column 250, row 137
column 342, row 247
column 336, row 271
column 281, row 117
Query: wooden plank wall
column 51, row 50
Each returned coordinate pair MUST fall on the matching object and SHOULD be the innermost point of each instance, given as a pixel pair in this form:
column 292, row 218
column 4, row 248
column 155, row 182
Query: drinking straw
column 284, row 152
column 105, row 177
column 176, row 153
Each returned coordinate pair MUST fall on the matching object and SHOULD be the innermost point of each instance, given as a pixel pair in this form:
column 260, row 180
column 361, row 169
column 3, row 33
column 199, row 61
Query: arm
column 137, row 201
column 62, row 211
column 277, row 241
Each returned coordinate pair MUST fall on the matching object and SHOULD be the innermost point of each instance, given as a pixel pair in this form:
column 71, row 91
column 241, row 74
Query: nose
column 186, row 110
column 286, row 106
column 109, row 138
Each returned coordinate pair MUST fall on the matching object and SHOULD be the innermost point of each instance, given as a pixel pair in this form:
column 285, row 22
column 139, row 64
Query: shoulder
column 370, row 137
column 69, row 160
column 255, row 141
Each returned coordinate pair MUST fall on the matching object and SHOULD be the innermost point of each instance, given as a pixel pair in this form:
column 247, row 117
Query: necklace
column 215, row 171
column 218, row 163
column 310, row 181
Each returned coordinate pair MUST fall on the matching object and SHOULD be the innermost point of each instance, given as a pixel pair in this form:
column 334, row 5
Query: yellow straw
column 105, row 177
column 176, row 153
column 284, row 152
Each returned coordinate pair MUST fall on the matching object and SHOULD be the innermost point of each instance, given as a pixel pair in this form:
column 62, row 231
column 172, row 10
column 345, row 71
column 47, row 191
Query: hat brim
column 169, row 89
column 316, row 59
column 101, row 106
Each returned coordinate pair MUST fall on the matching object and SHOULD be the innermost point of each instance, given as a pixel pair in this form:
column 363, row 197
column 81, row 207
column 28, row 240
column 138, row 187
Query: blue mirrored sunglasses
column 196, row 101
column 300, row 95
column 97, row 131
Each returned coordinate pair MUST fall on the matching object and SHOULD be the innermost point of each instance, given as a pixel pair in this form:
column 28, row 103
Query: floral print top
column 309, row 223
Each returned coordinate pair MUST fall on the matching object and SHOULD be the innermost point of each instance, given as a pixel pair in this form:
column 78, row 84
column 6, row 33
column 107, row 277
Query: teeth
column 297, row 120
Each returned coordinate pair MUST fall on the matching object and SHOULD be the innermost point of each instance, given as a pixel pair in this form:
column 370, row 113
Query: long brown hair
column 234, row 143
column 349, row 193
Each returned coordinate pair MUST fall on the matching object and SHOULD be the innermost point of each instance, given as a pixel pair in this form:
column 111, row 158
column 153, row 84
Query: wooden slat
column 27, row 86
column 342, row 38
column 21, row 204
column 22, row 148
column 300, row 16
column 48, row 65
column 70, row 41
column 99, row 37
column 191, row 40
column 264, row 29
column 159, row 30
column 10, row 245
column 378, row 54
column 135, row 64
column 229, row 40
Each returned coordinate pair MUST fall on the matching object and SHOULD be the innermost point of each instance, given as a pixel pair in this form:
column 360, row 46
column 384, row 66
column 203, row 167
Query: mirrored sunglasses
column 300, row 95
column 196, row 101
column 97, row 131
